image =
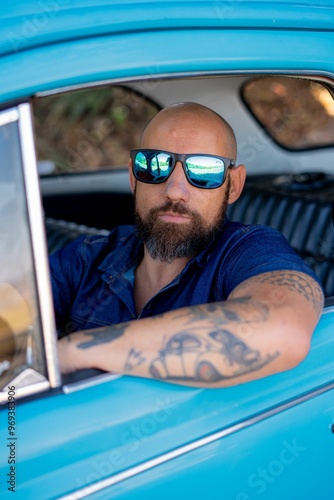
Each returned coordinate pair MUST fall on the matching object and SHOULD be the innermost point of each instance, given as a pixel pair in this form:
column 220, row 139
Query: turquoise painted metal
column 62, row 43
column 70, row 441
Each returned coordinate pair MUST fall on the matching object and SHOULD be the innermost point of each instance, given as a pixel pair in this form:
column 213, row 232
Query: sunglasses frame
column 229, row 163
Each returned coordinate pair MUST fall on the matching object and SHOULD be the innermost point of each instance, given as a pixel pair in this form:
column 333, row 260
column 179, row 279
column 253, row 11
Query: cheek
column 146, row 197
column 209, row 206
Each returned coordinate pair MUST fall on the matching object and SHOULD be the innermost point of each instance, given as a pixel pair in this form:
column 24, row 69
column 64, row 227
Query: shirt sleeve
column 257, row 249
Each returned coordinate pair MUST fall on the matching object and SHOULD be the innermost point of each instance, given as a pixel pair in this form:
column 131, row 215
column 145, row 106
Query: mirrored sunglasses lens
column 206, row 171
column 152, row 167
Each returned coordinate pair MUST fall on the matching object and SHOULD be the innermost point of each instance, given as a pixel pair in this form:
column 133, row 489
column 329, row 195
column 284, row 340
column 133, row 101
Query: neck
column 152, row 275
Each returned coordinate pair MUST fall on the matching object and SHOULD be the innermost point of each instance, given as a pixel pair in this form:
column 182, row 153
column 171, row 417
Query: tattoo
column 103, row 335
column 189, row 356
column 247, row 310
column 135, row 358
column 294, row 281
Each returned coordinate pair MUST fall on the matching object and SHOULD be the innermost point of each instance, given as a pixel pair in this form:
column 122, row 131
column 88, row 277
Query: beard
column 167, row 241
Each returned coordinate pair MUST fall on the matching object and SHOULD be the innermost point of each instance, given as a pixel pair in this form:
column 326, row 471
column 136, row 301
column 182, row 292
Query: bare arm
column 264, row 327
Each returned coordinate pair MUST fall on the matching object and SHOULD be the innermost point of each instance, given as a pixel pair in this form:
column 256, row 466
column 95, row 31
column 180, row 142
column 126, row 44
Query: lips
column 172, row 212
column 173, row 217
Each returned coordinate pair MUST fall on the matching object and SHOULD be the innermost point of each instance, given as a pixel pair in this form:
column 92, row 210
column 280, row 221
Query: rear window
column 297, row 113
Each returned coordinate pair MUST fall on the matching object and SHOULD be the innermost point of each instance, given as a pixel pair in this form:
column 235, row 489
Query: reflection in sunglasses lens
column 201, row 171
column 205, row 171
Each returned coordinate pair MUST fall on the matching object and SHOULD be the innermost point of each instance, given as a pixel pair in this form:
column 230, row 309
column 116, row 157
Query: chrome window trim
column 321, row 76
column 32, row 389
column 89, row 382
column 40, row 255
column 8, row 116
column 199, row 443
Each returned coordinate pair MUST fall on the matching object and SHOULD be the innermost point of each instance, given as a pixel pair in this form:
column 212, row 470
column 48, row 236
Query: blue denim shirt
column 92, row 277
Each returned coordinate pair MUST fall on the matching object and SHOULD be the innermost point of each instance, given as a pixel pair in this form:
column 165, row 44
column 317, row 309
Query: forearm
column 213, row 345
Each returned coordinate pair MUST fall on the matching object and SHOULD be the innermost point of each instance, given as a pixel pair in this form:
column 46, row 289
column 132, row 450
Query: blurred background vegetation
column 90, row 129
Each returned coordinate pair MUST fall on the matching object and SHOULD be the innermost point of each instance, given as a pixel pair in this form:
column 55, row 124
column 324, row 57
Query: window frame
column 34, row 382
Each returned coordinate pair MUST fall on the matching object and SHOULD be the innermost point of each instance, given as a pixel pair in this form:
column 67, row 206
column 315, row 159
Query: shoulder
column 93, row 247
column 236, row 234
column 251, row 250
column 244, row 230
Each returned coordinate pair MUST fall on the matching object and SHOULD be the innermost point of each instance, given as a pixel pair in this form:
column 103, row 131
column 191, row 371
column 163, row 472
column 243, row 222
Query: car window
column 21, row 353
column 298, row 114
column 88, row 130
column 191, row 343
column 28, row 358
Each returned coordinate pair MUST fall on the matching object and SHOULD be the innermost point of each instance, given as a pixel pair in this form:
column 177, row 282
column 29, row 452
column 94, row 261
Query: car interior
column 284, row 126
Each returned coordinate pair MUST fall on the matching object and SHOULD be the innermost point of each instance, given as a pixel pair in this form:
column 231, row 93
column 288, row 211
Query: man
column 216, row 303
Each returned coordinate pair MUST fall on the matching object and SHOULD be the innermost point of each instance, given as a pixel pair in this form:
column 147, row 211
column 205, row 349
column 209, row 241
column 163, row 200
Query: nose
column 177, row 186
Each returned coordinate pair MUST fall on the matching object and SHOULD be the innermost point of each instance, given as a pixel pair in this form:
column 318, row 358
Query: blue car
column 78, row 81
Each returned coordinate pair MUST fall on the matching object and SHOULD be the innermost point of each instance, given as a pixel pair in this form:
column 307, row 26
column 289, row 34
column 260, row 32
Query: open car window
column 88, row 130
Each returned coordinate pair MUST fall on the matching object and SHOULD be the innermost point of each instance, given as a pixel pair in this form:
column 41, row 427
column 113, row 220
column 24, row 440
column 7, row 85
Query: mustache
column 171, row 206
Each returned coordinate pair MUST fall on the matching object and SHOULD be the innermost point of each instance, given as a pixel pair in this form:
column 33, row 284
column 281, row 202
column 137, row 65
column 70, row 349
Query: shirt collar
column 203, row 257
column 130, row 252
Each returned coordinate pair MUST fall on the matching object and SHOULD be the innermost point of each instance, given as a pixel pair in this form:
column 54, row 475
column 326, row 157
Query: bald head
column 189, row 127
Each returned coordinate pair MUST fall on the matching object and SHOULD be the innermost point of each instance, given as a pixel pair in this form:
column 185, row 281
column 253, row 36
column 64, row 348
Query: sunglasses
column 201, row 170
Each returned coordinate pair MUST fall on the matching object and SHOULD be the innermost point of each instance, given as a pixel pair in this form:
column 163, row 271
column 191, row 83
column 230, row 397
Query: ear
column 131, row 176
column 238, row 177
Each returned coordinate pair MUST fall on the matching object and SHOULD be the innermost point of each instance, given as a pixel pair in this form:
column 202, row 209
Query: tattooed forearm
column 262, row 328
column 103, row 335
column 220, row 356
column 237, row 310
column 293, row 281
